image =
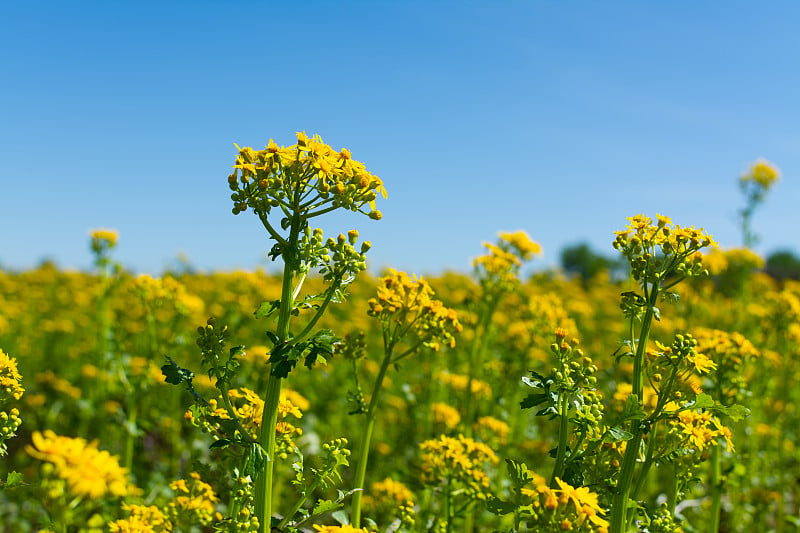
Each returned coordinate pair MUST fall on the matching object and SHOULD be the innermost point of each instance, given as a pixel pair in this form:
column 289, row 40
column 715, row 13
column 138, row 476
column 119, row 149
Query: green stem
column 264, row 479
column 366, row 437
column 563, row 434
column 447, row 505
column 648, row 462
column 672, row 495
column 716, row 489
column 619, row 504
column 475, row 356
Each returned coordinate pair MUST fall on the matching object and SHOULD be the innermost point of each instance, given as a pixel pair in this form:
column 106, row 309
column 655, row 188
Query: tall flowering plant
column 287, row 187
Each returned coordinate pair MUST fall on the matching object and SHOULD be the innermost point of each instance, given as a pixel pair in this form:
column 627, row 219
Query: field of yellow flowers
column 319, row 398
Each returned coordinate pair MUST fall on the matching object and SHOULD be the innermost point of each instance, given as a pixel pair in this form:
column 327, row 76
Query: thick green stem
column 672, row 495
column 264, row 480
column 619, row 504
column 366, row 437
column 563, row 435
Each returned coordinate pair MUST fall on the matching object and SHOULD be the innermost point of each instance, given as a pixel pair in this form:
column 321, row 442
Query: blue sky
column 560, row 118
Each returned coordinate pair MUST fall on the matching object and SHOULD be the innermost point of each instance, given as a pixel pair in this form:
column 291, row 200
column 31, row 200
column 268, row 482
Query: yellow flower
column 445, row 415
column 142, row 519
column 762, row 173
column 340, row 529
column 89, row 472
column 585, row 502
column 10, row 379
column 103, row 239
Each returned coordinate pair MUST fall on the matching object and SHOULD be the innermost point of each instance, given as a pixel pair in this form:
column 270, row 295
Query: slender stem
column 476, row 355
column 563, row 434
column 716, row 489
column 648, row 462
column 447, row 505
column 366, row 437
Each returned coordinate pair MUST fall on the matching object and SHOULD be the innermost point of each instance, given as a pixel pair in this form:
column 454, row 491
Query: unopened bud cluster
column 576, row 375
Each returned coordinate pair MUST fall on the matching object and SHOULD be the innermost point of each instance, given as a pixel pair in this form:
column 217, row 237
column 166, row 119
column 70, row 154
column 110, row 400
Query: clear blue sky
column 560, row 118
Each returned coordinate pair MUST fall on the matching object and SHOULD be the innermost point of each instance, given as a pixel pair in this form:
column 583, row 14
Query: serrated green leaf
column 267, row 308
column 174, row 374
column 221, row 443
column 13, row 479
column 633, row 408
column 324, row 506
column 499, row 507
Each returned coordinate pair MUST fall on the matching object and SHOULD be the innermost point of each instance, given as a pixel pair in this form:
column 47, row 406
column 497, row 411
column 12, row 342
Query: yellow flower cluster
column 499, row 269
column 445, row 415
column 10, row 379
column 762, row 173
column 194, row 502
column 566, row 508
column 407, row 305
column 730, row 350
column 103, row 239
column 142, row 519
column 88, row 472
column 492, row 430
column 719, row 262
column 390, row 492
column 324, row 179
column 639, row 242
column 457, row 459
column 459, row 383
column 249, row 410
column 340, row 529
column 699, row 430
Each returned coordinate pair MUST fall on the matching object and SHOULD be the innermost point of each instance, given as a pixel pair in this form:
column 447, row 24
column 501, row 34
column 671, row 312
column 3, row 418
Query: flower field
column 319, row 398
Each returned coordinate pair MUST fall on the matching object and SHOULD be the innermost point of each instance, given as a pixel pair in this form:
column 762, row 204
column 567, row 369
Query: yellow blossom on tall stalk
column 410, row 318
column 498, row 274
column 661, row 254
column 754, row 184
column 286, row 187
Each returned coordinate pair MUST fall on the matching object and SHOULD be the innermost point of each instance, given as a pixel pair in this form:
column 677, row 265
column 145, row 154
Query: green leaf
column 324, row 506
column 499, row 507
column 703, row 401
column 616, row 434
column 174, row 374
column 341, row 517
column 221, row 443
column 13, row 479
column 532, row 400
column 633, row 408
column 737, row 412
column 517, row 473
column 267, row 308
